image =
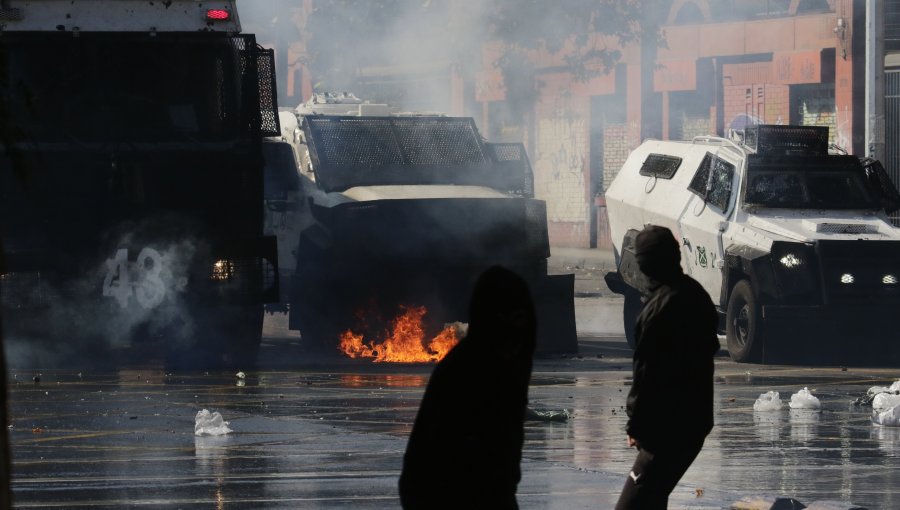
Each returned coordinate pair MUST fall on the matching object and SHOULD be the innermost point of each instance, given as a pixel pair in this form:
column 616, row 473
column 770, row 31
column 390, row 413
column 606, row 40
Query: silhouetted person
column 466, row 443
column 670, row 405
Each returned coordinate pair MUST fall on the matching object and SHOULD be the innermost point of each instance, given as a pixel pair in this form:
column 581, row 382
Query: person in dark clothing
column 466, row 444
column 670, row 405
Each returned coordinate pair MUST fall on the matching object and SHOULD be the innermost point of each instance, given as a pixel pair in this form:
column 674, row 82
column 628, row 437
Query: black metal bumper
column 843, row 334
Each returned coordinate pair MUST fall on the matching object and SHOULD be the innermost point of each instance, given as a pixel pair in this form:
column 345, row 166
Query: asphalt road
column 330, row 433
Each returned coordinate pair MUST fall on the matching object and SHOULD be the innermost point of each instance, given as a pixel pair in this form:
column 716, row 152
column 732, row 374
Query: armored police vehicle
column 407, row 209
column 791, row 241
column 131, row 179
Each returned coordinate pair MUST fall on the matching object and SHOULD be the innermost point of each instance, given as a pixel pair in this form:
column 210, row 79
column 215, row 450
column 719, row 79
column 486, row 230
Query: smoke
column 398, row 52
column 401, row 52
column 129, row 298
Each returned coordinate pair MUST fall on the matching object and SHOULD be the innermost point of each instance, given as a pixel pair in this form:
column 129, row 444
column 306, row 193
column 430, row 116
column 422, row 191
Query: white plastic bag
column 885, row 401
column 893, row 388
column 889, row 418
column 803, row 399
column 210, row 424
column 768, row 401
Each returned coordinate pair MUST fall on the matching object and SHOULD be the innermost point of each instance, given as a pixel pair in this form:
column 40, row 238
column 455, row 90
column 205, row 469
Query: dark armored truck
column 131, row 179
column 406, row 210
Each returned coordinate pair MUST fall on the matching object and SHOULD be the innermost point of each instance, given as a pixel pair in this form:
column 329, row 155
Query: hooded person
column 670, row 404
column 466, row 444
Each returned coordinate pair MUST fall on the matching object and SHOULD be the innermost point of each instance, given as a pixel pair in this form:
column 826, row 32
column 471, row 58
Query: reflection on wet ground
column 332, row 436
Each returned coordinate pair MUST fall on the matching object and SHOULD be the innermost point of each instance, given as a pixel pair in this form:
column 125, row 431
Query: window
column 720, row 184
column 713, row 181
column 660, row 165
column 701, row 178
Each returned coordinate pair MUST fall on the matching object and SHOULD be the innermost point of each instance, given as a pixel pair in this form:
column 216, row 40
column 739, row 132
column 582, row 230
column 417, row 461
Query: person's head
column 658, row 254
column 501, row 314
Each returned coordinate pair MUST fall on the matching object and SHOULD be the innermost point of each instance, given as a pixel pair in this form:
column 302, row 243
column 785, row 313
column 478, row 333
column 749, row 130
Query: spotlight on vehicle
column 790, row 260
column 847, row 278
column 222, row 270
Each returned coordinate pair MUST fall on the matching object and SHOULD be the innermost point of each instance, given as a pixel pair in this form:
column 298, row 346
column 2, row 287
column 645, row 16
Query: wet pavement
column 331, row 434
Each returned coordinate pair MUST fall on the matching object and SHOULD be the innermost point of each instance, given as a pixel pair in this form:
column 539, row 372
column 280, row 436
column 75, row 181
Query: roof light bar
column 218, row 15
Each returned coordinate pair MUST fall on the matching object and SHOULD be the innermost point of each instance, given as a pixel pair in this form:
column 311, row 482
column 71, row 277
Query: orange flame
column 405, row 343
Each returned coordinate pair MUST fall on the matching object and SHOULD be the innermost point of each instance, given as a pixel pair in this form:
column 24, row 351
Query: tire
column 630, row 313
column 743, row 324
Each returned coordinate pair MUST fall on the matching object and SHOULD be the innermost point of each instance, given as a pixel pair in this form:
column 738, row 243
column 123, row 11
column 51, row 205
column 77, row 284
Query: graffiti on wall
column 561, row 156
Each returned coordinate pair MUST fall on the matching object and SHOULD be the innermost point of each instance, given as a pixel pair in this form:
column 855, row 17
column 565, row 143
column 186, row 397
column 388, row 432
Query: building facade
column 723, row 65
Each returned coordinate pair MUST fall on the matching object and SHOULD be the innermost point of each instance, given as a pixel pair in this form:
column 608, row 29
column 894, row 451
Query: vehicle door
column 702, row 223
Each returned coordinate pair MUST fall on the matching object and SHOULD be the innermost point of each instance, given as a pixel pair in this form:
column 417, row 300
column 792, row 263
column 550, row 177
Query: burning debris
column 404, row 342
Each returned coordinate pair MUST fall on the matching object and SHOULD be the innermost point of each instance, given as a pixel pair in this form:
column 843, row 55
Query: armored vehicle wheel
column 630, row 313
column 743, row 324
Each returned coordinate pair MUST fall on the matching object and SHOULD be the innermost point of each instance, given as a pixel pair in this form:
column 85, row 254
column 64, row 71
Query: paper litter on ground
column 889, row 418
column 210, row 424
column 768, row 401
column 871, row 393
column 803, row 399
column 884, row 401
column 558, row 416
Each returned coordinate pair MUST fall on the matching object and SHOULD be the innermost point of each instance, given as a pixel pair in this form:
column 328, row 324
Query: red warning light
column 218, row 15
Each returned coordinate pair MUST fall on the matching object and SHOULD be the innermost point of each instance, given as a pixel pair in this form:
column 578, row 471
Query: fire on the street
column 405, row 342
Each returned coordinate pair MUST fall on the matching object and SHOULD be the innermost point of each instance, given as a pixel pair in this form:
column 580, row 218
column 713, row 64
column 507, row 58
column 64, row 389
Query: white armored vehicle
column 792, row 242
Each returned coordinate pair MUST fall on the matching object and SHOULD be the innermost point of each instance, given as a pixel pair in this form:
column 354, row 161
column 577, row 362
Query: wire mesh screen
column 773, row 139
column 268, row 99
column 240, row 44
column 846, row 228
column 660, row 165
column 512, row 167
column 27, row 289
column 439, row 141
column 892, row 130
column 361, row 151
column 352, row 142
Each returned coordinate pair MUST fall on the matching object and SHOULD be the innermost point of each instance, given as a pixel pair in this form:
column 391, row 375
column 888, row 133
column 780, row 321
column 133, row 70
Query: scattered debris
column 871, row 393
column 803, row 399
column 556, row 416
column 698, row 493
column 884, row 401
column 889, row 418
column 768, row 401
column 210, row 424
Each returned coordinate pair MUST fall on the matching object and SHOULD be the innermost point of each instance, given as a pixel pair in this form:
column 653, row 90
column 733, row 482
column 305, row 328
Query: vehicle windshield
column 832, row 182
column 121, row 88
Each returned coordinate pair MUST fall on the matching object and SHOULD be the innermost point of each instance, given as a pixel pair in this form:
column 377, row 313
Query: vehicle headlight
column 222, row 270
column 847, row 278
column 796, row 271
column 889, row 279
column 790, row 261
